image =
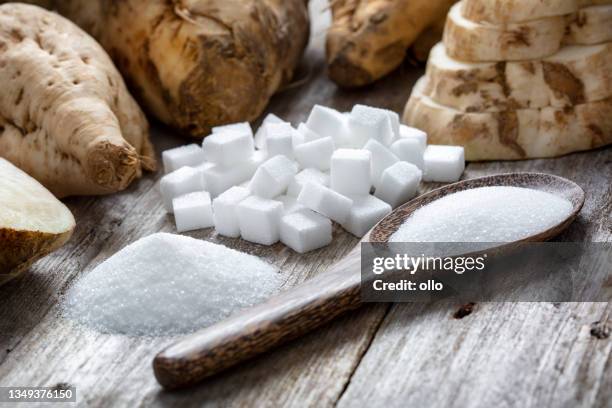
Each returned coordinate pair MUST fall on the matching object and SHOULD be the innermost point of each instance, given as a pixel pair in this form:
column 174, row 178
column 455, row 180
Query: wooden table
column 500, row 354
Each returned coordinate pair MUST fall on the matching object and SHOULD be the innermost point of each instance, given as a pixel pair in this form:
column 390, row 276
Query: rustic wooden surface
column 490, row 354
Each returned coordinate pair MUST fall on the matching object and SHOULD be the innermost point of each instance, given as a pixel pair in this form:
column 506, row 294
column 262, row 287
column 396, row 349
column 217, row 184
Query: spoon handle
column 286, row 316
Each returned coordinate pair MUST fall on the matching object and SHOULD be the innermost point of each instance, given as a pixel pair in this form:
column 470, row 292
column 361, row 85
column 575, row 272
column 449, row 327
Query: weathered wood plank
column 501, row 354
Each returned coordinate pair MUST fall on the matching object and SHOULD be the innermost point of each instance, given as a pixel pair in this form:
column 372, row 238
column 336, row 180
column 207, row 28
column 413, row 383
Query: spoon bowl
column 319, row 300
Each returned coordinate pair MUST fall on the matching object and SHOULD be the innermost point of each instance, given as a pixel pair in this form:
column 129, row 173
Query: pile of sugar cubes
column 289, row 184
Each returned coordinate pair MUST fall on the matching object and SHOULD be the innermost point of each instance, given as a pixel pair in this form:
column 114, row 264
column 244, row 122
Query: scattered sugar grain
column 485, row 214
column 167, row 284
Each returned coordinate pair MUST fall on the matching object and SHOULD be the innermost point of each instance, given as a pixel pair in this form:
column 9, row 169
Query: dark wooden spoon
column 298, row 310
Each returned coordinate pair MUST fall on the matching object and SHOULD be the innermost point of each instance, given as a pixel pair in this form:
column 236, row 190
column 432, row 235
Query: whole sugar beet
column 196, row 64
column 66, row 117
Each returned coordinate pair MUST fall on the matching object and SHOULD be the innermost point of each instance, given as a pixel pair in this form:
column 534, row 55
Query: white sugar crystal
column 368, row 123
column 182, row 181
column 444, row 164
column 325, row 201
column 280, row 139
column 308, row 134
column 290, row 204
column 304, row 176
column 316, row 153
column 260, row 135
column 166, row 284
column 382, row 158
column 220, row 178
column 407, row 132
column 409, row 150
column 484, row 214
column 328, row 122
column 273, row 177
column 259, row 219
column 399, row 183
column 228, row 148
column 305, row 231
column 242, row 127
column 193, row 211
column 188, row 155
column 351, row 171
column 365, row 212
column 224, row 208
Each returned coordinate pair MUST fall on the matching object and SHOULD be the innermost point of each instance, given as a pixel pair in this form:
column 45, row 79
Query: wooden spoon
column 298, row 310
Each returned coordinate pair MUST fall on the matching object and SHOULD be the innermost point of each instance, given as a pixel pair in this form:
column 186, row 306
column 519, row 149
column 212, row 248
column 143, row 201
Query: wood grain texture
column 415, row 355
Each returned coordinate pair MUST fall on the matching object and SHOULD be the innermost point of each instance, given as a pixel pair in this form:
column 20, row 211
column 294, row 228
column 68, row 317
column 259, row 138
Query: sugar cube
column 316, row 153
column 228, row 148
column 279, row 139
column 309, row 174
column 220, row 178
column 351, row 171
column 308, row 134
column 224, row 209
column 325, row 201
column 399, row 183
column 182, row 181
column 444, row 164
column 243, row 127
column 260, row 135
column 193, row 211
column 188, row 155
column 305, row 231
column 273, row 177
column 364, row 214
column 409, row 150
column 407, row 132
column 329, row 122
column 381, row 159
column 290, row 204
column 370, row 123
column 259, row 219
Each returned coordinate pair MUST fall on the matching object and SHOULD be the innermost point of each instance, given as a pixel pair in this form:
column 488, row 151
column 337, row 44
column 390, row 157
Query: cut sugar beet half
column 510, row 135
column 466, row 40
column 572, row 76
column 33, row 222
column 506, row 11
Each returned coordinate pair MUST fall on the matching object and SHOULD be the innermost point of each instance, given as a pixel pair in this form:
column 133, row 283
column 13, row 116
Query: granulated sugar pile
column 168, row 284
column 485, row 214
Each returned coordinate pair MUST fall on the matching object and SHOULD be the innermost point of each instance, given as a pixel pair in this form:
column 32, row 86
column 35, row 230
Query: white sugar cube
column 290, row 204
column 179, row 182
column 409, row 150
column 329, row 122
column 280, row 139
column 325, row 201
column 308, row 134
column 260, row 135
column 382, row 158
column 242, row 127
column 305, row 231
column 399, row 183
column 351, row 171
column 189, row 155
column 316, row 153
column 259, row 219
column 364, row 214
column 407, row 132
column 220, row 178
column 273, row 177
column 228, row 148
column 304, row 176
column 444, row 164
column 224, row 208
column 193, row 211
column 368, row 123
